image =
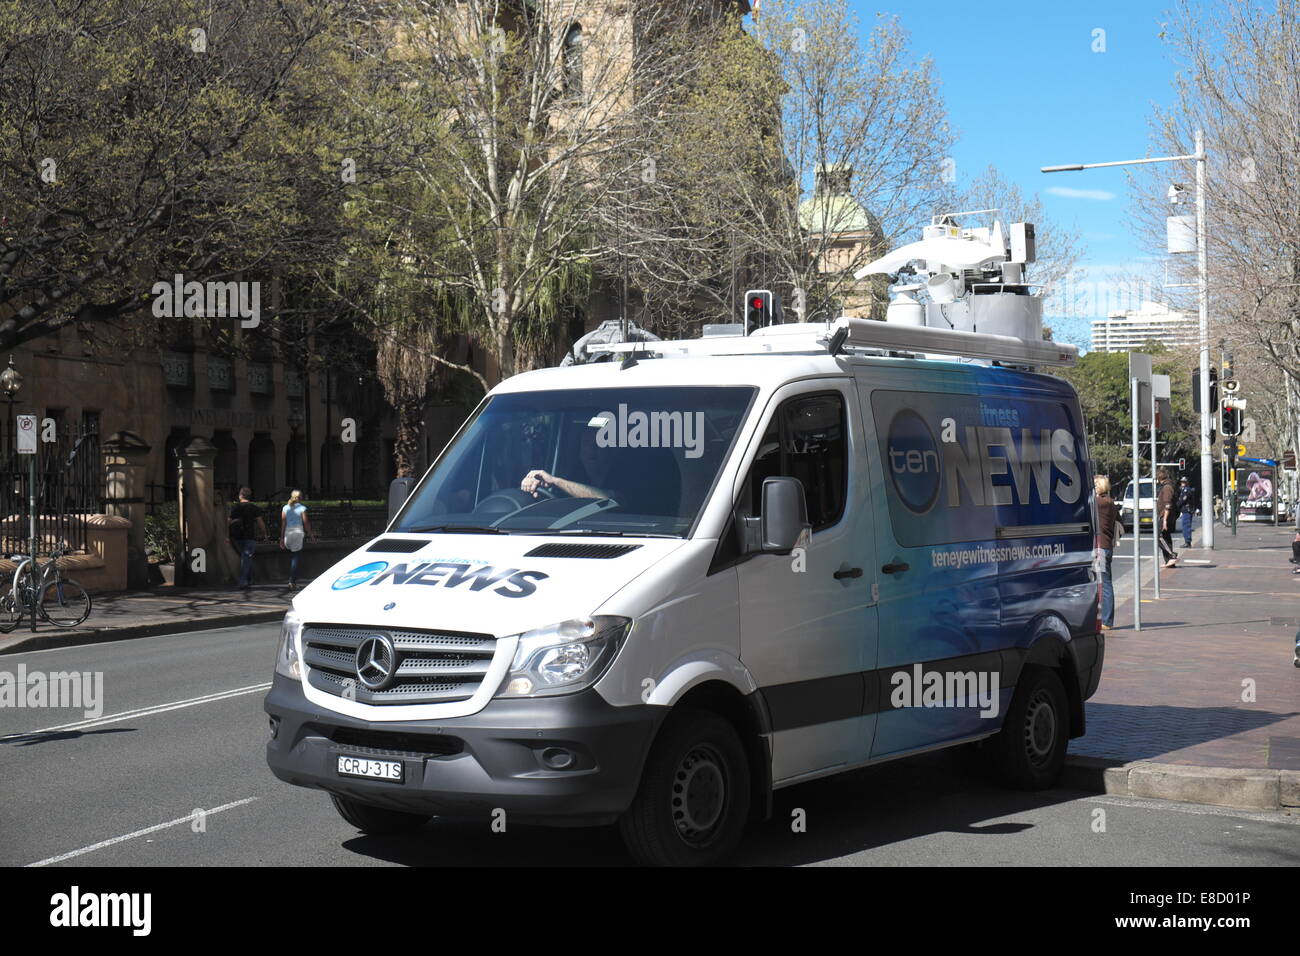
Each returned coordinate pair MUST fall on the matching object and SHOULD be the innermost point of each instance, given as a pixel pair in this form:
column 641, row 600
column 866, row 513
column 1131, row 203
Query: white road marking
column 143, row 711
column 138, row 833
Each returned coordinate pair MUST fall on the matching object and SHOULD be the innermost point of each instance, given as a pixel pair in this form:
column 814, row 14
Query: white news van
column 653, row 591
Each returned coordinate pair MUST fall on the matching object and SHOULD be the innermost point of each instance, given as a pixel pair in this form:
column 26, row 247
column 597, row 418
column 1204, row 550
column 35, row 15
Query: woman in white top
column 294, row 529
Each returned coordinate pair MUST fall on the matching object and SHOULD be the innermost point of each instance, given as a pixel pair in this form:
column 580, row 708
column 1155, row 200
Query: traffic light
column 1229, row 418
column 758, row 309
column 1196, row 389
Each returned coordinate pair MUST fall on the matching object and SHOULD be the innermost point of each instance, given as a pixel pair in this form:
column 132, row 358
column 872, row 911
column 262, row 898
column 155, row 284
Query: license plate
column 374, row 769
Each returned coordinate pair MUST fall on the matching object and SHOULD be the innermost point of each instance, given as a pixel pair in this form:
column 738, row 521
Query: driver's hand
column 537, row 478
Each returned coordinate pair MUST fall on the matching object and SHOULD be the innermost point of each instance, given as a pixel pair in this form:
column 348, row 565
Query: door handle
column 895, row 567
column 850, row 573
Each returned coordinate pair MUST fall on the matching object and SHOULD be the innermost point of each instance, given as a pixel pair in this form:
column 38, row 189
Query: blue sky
column 1024, row 89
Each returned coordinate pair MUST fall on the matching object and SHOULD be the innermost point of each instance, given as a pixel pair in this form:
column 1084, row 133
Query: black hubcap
column 699, row 795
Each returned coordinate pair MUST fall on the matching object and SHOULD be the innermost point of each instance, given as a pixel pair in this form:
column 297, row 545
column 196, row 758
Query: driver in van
column 596, row 462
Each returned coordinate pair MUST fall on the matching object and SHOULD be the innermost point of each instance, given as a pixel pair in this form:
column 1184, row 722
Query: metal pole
column 1137, row 512
column 31, row 501
column 1155, row 527
column 1203, row 295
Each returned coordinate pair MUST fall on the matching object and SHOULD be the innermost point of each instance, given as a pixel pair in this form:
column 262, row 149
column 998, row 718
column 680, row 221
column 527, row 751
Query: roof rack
column 848, row 332
column 865, row 333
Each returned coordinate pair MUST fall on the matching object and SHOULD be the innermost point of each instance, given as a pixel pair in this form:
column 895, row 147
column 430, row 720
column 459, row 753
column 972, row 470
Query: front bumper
column 471, row 766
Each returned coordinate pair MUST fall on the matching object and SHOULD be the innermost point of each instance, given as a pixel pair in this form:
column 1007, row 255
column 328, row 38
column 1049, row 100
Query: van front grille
column 431, row 667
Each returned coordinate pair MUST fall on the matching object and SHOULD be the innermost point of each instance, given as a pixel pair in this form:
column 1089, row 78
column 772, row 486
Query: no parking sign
column 26, row 434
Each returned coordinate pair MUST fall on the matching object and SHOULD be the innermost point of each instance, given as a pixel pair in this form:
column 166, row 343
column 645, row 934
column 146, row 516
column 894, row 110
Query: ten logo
column 359, row 575
column 914, row 465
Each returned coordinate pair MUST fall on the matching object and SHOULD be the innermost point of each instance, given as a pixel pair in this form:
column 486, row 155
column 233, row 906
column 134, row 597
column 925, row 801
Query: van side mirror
column 399, row 489
column 784, row 520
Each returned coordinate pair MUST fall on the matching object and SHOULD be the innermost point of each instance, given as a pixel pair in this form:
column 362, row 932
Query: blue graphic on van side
column 358, row 575
column 962, row 466
column 986, row 495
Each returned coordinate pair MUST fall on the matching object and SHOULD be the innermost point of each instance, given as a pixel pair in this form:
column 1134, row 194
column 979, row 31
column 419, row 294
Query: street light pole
column 1203, row 287
column 1203, row 294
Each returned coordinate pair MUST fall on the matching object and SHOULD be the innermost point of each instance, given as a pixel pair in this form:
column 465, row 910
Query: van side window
column 805, row 440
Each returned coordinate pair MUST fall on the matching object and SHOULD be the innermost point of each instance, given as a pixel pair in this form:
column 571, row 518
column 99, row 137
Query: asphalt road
column 183, row 729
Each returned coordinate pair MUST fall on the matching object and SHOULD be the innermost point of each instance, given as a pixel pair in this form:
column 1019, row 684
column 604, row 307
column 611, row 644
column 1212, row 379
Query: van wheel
column 377, row 820
column 693, row 801
column 1029, row 752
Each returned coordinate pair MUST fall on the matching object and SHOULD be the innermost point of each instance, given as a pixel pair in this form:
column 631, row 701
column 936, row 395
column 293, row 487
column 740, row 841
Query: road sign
column 26, row 434
column 1139, row 367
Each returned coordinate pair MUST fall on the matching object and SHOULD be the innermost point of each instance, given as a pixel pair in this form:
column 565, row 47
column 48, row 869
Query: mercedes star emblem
column 376, row 661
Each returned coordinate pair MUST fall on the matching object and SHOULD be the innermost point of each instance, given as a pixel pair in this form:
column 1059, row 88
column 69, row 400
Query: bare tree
column 1239, row 81
column 512, row 115
column 856, row 105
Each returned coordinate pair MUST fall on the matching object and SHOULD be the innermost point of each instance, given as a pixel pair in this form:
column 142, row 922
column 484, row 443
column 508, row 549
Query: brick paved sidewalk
column 159, row 611
column 1172, row 693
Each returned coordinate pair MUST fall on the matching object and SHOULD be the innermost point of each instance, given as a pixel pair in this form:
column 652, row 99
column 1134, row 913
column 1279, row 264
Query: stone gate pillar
column 202, row 524
column 125, row 460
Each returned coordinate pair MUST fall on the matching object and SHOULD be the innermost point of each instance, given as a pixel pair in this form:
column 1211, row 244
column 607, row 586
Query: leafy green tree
column 1101, row 379
column 144, row 138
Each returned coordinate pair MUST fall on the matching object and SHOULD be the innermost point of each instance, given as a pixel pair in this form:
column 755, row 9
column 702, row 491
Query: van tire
column 1029, row 752
column 377, row 820
column 700, row 750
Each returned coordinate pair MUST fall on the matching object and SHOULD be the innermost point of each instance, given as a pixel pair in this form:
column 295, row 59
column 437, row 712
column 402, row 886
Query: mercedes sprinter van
column 652, row 592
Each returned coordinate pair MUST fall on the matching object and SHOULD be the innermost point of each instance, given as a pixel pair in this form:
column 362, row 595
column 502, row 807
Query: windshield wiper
column 454, row 529
column 611, row 534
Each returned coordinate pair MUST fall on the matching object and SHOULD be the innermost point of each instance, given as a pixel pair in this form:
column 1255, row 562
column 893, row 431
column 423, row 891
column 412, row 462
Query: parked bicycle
column 60, row 601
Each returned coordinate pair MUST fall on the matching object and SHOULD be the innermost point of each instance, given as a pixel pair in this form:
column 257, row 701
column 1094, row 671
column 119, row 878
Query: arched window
column 573, row 60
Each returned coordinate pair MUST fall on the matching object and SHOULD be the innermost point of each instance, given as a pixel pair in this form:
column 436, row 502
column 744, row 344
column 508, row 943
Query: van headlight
column 286, row 657
column 561, row 658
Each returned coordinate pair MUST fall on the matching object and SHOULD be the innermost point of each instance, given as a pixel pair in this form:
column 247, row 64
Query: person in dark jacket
column 1166, row 516
column 246, row 526
column 1186, row 509
column 1109, row 529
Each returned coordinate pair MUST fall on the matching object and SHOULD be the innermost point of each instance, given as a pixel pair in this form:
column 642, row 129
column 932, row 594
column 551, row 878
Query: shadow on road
column 26, row 740
column 842, row 815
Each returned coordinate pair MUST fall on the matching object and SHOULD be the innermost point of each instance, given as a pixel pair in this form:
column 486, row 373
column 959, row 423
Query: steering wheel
column 516, row 498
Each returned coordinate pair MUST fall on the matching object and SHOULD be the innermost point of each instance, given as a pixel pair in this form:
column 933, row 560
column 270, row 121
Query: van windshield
column 616, row 461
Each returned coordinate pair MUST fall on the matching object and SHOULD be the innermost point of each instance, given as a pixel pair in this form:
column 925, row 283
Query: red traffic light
column 756, row 302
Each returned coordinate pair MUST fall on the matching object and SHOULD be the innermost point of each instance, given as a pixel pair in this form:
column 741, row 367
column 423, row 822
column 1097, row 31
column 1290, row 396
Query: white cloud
column 1068, row 192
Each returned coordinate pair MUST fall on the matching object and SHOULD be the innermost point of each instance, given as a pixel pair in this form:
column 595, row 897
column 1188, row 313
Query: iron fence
column 69, row 488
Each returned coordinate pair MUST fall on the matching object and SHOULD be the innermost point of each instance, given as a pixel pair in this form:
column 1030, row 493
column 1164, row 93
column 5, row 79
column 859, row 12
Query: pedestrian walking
column 1109, row 531
column 1295, row 549
column 1186, row 509
column 295, row 528
column 246, row 526
column 1165, row 517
